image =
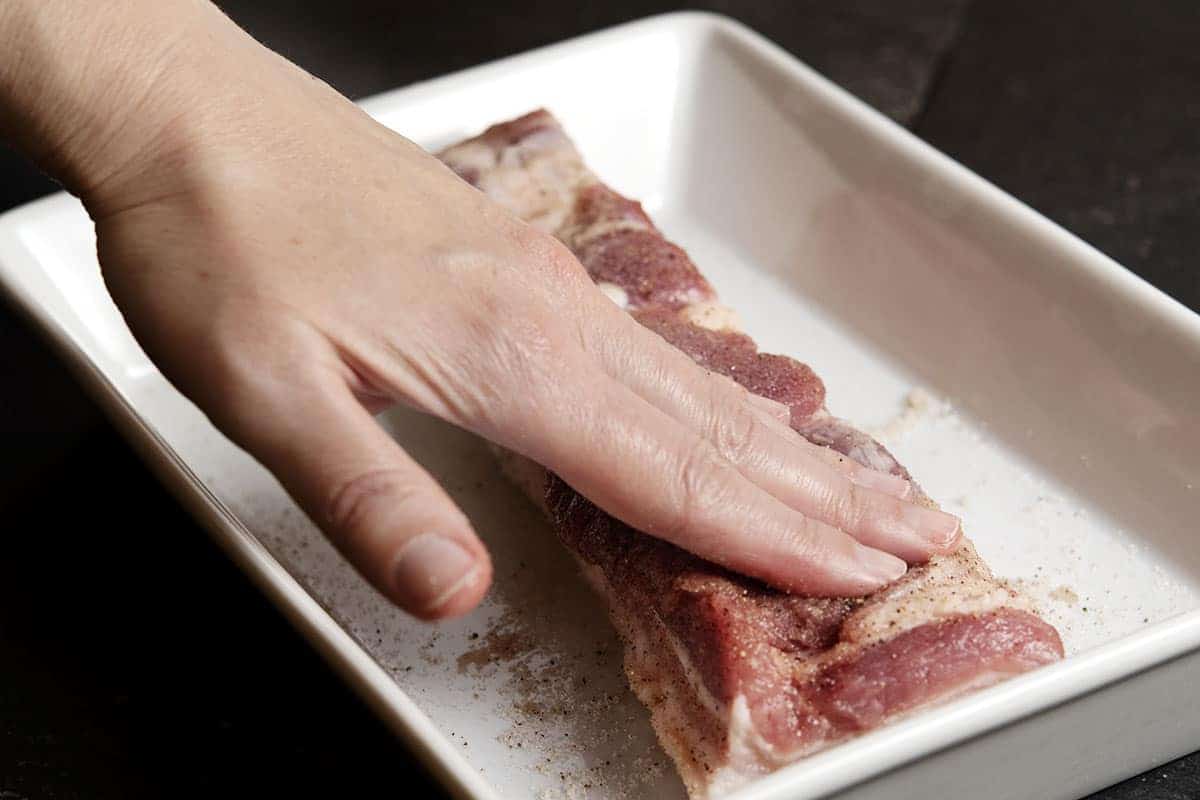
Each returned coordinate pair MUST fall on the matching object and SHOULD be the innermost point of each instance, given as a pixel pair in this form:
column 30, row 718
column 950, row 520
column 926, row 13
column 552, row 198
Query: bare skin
column 293, row 267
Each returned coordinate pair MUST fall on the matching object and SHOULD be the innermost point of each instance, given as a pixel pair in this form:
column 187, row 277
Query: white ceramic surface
column 1031, row 384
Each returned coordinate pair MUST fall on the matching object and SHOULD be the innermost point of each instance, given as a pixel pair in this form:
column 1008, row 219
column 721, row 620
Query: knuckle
column 558, row 258
column 703, row 480
column 501, row 350
column 256, row 410
column 355, row 503
column 555, row 268
column 833, row 500
column 249, row 362
column 848, row 503
column 542, row 248
column 737, row 433
column 821, row 545
column 238, row 403
column 518, row 371
column 862, row 505
column 225, row 361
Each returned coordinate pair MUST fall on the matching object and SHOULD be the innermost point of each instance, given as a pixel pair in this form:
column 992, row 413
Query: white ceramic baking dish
column 1032, row 385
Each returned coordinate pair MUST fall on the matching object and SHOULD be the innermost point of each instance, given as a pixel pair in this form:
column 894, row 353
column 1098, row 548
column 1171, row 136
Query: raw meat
column 741, row 679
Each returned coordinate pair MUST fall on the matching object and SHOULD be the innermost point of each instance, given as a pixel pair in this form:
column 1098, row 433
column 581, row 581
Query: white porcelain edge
column 816, row 776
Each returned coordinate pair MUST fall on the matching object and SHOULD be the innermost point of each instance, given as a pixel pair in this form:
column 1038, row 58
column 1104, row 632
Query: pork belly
column 739, row 678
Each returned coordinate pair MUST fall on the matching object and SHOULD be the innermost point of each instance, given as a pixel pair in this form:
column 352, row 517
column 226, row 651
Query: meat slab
column 741, row 679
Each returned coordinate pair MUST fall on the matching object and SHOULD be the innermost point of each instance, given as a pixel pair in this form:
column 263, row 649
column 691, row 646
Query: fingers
column 847, row 497
column 659, row 476
column 821, row 484
column 777, row 417
column 390, row 519
column 848, row 467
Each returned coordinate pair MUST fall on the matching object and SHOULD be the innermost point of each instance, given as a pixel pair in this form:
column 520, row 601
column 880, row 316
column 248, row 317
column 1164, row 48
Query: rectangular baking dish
column 1031, row 384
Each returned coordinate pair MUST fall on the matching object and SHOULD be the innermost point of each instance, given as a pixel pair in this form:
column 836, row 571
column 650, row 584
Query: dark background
column 136, row 662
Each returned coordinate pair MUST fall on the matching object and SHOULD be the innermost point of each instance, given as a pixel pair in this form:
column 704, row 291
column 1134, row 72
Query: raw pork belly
column 739, row 678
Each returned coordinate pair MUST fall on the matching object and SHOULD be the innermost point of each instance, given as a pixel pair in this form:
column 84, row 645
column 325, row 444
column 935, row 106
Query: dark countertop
column 133, row 655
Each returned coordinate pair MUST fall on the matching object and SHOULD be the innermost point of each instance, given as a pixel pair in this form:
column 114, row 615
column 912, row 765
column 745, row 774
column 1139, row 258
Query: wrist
column 94, row 92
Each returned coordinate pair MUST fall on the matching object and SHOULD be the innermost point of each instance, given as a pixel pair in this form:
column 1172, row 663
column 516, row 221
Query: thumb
column 381, row 509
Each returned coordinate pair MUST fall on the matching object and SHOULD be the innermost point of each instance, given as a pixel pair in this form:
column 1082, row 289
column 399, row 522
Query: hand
column 293, row 267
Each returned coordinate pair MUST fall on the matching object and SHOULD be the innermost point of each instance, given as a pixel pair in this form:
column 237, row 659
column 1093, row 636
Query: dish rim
column 833, row 770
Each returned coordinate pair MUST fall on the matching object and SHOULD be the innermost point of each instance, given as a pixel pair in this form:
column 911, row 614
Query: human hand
column 292, row 267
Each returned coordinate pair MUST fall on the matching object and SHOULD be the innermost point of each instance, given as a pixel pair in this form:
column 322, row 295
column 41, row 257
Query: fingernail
column 883, row 482
column 431, row 569
column 938, row 527
column 774, row 409
column 880, row 566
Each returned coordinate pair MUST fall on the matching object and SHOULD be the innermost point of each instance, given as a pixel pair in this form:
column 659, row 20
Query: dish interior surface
column 1027, row 384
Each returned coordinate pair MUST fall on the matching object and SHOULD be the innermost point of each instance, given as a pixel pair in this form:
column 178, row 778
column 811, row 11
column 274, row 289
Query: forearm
column 87, row 89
